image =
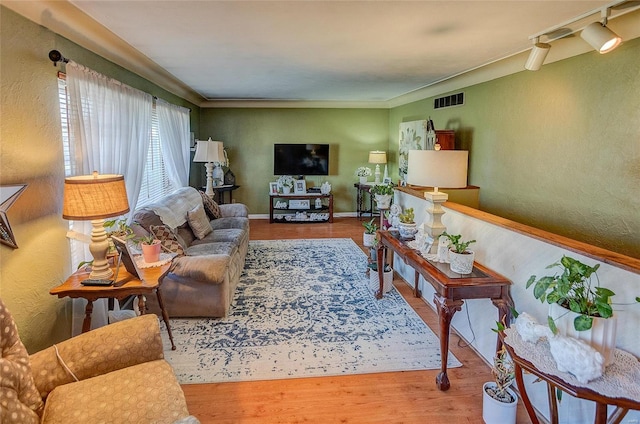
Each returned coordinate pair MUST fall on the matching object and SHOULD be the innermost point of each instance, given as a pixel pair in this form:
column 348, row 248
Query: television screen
column 301, row 159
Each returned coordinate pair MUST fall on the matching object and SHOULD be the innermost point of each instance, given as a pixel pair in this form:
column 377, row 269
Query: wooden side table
column 126, row 285
column 451, row 290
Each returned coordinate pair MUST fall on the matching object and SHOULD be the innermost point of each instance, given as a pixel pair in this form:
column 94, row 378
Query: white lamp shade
column 600, row 37
column 209, row 151
column 537, row 56
column 91, row 197
column 438, row 168
column 377, row 156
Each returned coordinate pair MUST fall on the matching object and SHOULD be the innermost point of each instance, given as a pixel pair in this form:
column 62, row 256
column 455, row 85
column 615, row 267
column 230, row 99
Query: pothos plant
column 456, row 243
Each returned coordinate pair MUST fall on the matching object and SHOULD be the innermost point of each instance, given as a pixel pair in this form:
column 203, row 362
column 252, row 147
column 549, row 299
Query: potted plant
column 286, row 182
column 578, row 308
column 499, row 402
column 151, row 247
column 407, row 226
column 383, row 194
column 117, row 228
column 369, row 235
column 387, row 278
column 363, row 172
column 460, row 257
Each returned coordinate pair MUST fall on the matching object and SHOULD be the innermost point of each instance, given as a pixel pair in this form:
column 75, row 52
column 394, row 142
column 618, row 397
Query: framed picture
column 300, row 187
column 386, row 180
column 273, row 188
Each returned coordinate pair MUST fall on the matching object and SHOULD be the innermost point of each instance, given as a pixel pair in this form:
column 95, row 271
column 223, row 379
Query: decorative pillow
column 170, row 240
column 198, row 221
column 210, row 206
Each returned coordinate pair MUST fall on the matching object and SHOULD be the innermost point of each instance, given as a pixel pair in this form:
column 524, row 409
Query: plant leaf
column 582, row 323
column 552, row 325
column 532, row 279
column 604, row 309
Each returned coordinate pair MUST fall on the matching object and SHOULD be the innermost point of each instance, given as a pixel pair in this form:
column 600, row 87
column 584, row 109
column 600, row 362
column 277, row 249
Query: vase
column 601, row 336
column 368, row 239
column 407, row 230
column 286, row 190
column 462, row 263
column 387, row 284
column 496, row 412
column 363, row 180
column 151, row 252
column 383, row 201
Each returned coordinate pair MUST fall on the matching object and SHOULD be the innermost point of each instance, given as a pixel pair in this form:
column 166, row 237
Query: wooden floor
column 395, row 397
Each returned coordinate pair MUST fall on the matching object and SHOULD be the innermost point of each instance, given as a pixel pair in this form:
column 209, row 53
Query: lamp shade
column 600, row 37
column 438, row 168
column 377, row 156
column 89, row 197
column 209, row 151
column 537, row 56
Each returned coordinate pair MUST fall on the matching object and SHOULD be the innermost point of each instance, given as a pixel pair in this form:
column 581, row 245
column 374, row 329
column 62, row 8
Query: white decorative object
column 530, row 330
column 577, row 357
column 374, row 281
column 496, row 412
column 383, row 200
column 325, row 188
column 442, row 254
column 462, row 263
column 318, row 203
column 601, row 336
column 407, row 230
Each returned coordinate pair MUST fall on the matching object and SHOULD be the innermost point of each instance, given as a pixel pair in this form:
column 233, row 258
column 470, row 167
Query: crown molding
column 294, row 104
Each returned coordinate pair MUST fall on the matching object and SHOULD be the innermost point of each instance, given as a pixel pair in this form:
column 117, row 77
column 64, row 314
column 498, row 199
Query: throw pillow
column 168, row 238
column 210, row 206
column 198, row 221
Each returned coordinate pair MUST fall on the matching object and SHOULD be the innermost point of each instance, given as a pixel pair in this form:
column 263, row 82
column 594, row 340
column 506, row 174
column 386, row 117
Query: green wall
column 31, row 153
column 249, row 135
column 558, row 149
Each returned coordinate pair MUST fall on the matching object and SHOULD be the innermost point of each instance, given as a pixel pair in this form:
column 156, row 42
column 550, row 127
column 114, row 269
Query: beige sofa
column 114, row 374
column 202, row 281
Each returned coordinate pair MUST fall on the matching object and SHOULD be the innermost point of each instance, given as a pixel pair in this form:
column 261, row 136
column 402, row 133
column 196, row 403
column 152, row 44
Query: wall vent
column 448, row 101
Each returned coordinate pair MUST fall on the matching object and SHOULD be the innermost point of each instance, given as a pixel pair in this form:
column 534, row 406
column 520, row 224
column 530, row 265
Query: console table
column 451, row 290
column 361, row 190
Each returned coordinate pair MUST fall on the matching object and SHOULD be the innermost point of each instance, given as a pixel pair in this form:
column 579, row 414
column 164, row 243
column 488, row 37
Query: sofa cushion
column 217, row 248
column 231, row 222
column 210, row 206
column 121, row 396
column 171, row 241
column 199, row 222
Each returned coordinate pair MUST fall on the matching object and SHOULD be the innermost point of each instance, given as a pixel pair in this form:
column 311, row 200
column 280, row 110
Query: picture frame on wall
column 300, row 187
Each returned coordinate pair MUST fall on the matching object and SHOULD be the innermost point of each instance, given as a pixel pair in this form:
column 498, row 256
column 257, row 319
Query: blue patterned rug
column 303, row 308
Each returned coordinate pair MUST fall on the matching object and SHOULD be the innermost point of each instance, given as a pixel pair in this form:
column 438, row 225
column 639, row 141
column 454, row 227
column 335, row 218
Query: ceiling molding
column 65, row 19
column 294, row 104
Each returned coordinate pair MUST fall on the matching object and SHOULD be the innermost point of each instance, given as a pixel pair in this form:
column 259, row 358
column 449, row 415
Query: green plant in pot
column 369, row 235
column 407, row 226
column 499, row 402
column 383, row 193
column 150, row 246
column 460, row 257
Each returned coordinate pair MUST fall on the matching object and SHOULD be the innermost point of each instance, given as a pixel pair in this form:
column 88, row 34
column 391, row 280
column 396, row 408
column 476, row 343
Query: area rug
column 303, row 308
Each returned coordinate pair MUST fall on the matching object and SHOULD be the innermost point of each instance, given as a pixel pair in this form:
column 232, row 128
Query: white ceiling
column 326, row 50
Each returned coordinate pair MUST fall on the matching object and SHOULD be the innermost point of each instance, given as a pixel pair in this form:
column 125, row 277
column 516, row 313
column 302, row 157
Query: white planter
column 462, row 263
column 407, row 231
column 601, row 336
column 363, row 180
column 368, row 239
column 286, row 190
column 383, row 201
column 374, row 283
column 496, row 412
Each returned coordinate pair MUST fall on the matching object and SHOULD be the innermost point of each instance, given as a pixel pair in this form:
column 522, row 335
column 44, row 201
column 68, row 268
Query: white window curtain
column 109, row 132
column 173, row 129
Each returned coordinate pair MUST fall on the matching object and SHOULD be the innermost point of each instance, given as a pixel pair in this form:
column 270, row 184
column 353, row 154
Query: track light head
column 600, row 37
column 537, row 56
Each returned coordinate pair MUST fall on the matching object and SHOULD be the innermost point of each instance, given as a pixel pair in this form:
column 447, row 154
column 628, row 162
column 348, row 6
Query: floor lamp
column 437, row 168
column 212, row 154
column 94, row 198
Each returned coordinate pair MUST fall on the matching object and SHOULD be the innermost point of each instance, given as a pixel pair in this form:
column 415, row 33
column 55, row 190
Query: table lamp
column 378, row 157
column 437, row 168
column 94, row 198
column 212, row 153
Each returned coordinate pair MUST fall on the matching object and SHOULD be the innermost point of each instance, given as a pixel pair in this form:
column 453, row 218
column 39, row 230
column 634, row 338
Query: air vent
column 448, row 101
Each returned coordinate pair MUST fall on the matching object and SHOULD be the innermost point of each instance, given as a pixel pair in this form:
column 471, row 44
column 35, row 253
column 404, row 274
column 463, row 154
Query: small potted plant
column 383, row 194
column 460, row 257
column 363, row 172
column 387, row 278
column 286, row 182
column 407, row 225
column 577, row 307
column 499, row 402
column 369, row 235
column 151, row 247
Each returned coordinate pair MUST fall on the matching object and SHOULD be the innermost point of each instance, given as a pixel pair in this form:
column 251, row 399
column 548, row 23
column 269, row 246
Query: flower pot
column 495, row 411
column 286, row 189
column 407, row 230
column 462, row 263
column 363, row 180
column 368, row 239
column 374, row 282
column 383, row 201
column 151, row 252
column 601, row 336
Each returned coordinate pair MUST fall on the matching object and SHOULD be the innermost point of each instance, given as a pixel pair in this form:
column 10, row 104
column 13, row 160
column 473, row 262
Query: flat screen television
column 301, row 159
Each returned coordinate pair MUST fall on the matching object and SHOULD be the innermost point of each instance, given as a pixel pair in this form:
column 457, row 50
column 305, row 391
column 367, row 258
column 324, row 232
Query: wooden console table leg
column 446, row 309
column 504, row 305
column 523, row 394
column 86, row 324
column 380, row 256
column 553, row 403
column 165, row 317
column 416, row 281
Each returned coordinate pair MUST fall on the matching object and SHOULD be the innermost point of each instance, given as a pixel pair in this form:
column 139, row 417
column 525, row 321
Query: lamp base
column 377, row 174
column 99, row 247
column 209, row 191
column 433, row 226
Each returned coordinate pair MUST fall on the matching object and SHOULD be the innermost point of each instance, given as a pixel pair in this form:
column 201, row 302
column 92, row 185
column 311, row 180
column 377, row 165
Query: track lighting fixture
column 537, row 55
column 600, row 37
